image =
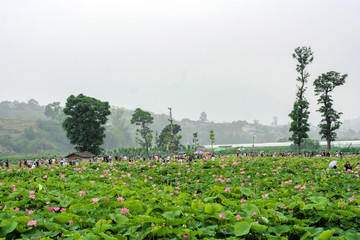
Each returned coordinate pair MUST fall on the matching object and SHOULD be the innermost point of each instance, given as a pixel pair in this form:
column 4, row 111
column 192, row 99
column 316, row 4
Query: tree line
column 86, row 117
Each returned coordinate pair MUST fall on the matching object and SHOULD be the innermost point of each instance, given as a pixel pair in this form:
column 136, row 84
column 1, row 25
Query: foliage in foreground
column 268, row 198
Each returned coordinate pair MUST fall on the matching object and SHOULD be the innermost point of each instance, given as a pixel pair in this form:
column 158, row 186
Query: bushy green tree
column 324, row 85
column 300, row 112
column 84, row 124
column 143, row 119
column 165, row 136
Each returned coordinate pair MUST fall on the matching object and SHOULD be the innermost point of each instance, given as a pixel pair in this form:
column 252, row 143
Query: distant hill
column 24, row 128
column 15, row 127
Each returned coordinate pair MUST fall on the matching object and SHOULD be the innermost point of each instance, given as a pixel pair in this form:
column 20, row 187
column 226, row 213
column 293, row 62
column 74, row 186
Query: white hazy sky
column 231, row 59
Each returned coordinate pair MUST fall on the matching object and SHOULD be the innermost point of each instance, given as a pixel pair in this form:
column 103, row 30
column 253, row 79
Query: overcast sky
column 230, row 59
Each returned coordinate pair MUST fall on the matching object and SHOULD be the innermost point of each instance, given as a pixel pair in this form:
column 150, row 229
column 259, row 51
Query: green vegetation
column 231, row 198
column 85, row 121
column 300, row 113
column 144, row 133
column 324, row 85
column 120, row 133
column 212, row 138
column 165, row 137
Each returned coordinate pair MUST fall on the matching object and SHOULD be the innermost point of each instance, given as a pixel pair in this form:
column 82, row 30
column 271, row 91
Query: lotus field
column 231, row 198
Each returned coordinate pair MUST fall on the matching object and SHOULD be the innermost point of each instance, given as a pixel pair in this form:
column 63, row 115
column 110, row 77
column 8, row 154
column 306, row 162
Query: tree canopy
column 165, row 135
column 324, row 85
column 84, row 124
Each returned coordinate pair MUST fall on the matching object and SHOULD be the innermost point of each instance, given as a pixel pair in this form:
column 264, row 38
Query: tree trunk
column 328, row 145
column 299, row 147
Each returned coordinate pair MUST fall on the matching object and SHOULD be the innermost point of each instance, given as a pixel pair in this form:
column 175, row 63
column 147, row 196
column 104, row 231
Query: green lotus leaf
column 242, row 228
column 258, row 227
column 172, row 214
column 7, row 227
column 247, row 192
column 280, row 229
column 326, row 234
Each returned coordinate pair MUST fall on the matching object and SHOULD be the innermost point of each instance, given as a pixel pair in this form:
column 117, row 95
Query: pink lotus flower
column 48, row 202
column 16, row 209
column 95, row 200
column 254, row 213
column 221, row 215
column 56, row 208
column 227, row 189
column 186, row 236
column 238, row 217
column 51, row 209
column 120, row 199
column 30, row 212
column 63, row 210
column 82, row 193
column 44, row 177
column 32, row 196
column 124, row 210
column 71, row 222
column 31, row 192
column 32, row 223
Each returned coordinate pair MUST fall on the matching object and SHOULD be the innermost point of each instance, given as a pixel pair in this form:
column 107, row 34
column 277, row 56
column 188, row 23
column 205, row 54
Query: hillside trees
column 84, row 124
column 324, row 85
column 55, row 112
column 300, row 112
column 117, row 130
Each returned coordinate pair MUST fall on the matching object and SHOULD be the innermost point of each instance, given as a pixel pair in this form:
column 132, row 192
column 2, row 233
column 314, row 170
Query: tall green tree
column 212, row 138
column 195, row 140
column 300, row 112
column 143, row 119
column 330, row 122
column 84, row 124
column 165, row 136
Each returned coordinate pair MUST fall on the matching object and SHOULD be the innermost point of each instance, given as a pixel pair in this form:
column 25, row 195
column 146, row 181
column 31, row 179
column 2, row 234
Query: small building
column 81, row 156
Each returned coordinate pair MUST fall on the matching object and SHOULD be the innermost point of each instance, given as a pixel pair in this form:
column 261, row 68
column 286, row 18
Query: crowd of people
column 181, row 158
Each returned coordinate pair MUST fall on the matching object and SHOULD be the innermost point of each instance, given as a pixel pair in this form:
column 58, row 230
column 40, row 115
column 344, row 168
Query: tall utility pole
column 171, row 134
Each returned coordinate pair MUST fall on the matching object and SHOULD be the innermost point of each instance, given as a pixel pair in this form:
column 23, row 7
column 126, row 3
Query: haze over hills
column 24, row 128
